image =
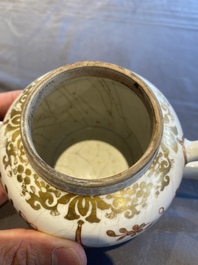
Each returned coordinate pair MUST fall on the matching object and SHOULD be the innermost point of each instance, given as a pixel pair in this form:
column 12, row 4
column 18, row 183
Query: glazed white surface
column 136, row 207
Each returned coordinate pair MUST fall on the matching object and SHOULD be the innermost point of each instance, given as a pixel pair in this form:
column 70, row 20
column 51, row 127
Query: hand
column 6, row 100
column 21, row 246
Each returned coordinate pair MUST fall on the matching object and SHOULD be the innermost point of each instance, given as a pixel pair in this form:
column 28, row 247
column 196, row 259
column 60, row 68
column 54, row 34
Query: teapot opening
column 93, row 126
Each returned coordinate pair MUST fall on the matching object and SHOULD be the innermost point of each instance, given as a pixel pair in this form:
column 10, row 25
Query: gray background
column 156, row 39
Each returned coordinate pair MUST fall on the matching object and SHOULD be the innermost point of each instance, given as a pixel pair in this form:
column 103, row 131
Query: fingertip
column 3, row 197
column 6, row 99
column 69, row 256
column 81, row 252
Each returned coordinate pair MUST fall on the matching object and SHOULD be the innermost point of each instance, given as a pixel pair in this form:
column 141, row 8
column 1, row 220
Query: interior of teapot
column 90, row 127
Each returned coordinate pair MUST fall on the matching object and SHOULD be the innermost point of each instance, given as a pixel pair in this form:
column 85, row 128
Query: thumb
column 20, row 246
column 3, row 197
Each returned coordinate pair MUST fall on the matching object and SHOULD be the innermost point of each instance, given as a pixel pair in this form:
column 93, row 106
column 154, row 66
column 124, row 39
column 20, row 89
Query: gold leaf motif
column 136, row 229
column 86, row 206
column 78, row 237
column 123, row 202
column 128, row 202
column 170, row 138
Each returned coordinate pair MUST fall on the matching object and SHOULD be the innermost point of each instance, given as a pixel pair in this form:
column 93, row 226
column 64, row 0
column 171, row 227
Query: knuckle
column 24, row 256
column 20, row 253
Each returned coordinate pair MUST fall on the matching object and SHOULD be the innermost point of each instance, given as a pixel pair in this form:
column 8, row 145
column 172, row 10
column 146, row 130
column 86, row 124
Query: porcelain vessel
column 92, row 152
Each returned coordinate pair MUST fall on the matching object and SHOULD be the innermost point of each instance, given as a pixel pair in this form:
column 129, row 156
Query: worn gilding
column 129, row 202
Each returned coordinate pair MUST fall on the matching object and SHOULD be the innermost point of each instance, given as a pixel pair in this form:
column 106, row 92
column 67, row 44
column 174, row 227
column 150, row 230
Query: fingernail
column 65, row 256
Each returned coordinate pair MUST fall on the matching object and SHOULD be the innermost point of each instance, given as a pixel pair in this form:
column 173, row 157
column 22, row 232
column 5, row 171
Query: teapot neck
column 99, row 96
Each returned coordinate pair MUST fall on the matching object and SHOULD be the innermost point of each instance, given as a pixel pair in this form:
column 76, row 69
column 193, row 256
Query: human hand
column 21, row 246
column 6, row 100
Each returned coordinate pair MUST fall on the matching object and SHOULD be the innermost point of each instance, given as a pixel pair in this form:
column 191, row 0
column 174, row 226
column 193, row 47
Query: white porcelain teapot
column 92, row 152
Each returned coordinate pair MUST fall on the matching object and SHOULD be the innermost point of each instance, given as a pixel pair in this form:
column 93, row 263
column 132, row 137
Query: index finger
column 6, row 100
column 3, row 197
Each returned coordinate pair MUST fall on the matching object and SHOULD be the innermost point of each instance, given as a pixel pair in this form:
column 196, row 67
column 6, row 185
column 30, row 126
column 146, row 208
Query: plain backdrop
column 157, row 39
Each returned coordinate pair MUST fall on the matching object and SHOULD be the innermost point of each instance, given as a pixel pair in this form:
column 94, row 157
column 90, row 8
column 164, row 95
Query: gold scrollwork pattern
column 129, row 201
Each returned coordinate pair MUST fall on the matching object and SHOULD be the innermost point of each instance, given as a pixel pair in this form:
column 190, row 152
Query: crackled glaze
column 92, row 220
